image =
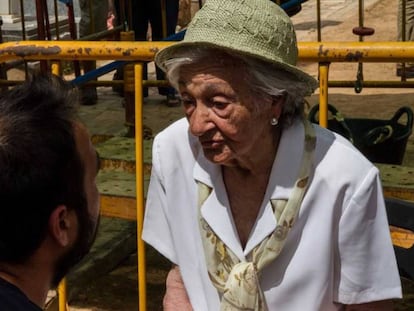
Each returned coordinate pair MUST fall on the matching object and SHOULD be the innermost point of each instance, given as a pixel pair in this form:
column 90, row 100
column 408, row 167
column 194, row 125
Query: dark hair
column 40, row 167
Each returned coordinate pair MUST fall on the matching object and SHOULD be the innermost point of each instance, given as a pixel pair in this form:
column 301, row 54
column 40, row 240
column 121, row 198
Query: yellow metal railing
column 142, row 290
column 144, row 51
column 322, row 53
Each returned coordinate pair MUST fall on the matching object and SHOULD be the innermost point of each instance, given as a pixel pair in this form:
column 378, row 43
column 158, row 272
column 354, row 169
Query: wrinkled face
column 88, row 218
column 219, row 106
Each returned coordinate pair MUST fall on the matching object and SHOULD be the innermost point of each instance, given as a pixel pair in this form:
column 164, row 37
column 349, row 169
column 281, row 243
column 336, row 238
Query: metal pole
column 323, row 93
column 3, row 71
column 142, row 284
column 62, row 295
column 57, row 30
column 26, row 68
column 91, row 18
column 73, row 34
column 23, row 20
column 318, row 19
column 361, row 17
column 164, row 18
column 46, row 18
column 403, row 33
column 41, row 29
column 333, row 51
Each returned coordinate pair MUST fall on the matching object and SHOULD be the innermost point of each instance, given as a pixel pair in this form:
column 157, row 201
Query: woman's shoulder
column 176, row 138
column 337, row 149
column 175, row 133
column 177, row 127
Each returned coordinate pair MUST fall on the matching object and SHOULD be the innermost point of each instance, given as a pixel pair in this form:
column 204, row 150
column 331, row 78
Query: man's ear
column 61, row 222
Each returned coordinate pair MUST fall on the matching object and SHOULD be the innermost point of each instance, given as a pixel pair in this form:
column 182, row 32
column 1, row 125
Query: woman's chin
column 219, row 158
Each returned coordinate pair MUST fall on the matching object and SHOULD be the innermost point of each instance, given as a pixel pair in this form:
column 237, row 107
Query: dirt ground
column 117, row 291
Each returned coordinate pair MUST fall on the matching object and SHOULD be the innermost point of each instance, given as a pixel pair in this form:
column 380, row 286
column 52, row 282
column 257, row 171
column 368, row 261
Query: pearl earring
column 274, row 121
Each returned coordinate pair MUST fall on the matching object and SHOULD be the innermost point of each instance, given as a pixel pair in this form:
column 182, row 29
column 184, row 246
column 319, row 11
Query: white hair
column 262, row 77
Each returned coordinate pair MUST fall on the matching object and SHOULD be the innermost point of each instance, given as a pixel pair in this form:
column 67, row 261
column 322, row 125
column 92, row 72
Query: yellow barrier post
column 62, row 295
column 142, row 289
column 56, row 69
column 323, row 94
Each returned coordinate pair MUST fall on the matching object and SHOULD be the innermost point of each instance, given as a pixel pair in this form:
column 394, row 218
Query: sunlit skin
column 233, row 132
column 87, row 222
column 91, row 163
column 219, row 107
column 86, row 232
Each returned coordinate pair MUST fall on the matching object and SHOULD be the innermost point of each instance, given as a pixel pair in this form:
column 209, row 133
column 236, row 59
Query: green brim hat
column 255, row 28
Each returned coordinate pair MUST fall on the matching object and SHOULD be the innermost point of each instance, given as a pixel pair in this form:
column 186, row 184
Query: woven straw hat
column 257, row 28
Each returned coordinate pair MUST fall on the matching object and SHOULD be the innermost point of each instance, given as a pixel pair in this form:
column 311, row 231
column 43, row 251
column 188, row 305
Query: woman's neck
column 260, row 162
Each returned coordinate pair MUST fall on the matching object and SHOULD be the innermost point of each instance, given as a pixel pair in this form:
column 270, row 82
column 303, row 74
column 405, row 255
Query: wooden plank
column 397, row 181
column 401, row 237
column 116, row 185
column 118, row 153
column 117, row 193
column 118, row 207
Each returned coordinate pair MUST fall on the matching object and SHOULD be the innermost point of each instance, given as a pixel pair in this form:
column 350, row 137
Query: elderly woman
column 257, row 208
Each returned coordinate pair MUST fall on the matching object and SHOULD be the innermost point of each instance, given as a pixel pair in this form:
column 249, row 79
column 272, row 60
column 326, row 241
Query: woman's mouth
column 211, row 144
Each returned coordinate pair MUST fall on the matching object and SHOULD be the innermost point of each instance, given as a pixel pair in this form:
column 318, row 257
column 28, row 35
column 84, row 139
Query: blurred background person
column 94, row 18
column 147, row 24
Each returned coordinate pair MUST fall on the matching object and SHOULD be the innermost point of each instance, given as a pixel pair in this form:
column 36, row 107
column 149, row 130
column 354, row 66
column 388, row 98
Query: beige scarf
column 238, row 281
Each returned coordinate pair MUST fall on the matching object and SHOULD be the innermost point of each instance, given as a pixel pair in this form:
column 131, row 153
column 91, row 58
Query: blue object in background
column 70, row 2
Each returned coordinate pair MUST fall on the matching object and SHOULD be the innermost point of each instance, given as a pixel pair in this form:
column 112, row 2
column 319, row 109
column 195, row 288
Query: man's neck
column 30, row 280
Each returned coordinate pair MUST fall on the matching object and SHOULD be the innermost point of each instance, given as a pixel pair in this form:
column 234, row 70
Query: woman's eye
column 219, row 104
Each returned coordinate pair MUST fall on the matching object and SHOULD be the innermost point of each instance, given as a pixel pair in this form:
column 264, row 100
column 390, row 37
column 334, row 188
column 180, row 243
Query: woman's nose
column 200, row 120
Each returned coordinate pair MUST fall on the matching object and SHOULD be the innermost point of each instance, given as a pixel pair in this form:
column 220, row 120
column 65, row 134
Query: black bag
column 381, row 141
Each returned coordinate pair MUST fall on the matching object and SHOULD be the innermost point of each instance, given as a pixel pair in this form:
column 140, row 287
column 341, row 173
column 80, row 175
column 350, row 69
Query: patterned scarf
column 238, row 281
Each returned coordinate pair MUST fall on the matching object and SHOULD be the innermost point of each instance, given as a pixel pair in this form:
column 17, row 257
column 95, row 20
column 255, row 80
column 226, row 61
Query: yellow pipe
column 107, row 83
column 323, row 94
column 355, row 51
column 142, row 290
column 158, row 83
column 391, row 52
column 62, row 295
column 80, row 50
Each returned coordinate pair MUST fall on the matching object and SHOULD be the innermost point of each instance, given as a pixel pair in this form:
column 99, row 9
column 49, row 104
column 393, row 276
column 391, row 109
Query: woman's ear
column 60, row 224
column 277, row 105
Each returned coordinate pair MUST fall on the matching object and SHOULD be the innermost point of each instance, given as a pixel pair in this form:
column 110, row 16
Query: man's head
column 47, row 173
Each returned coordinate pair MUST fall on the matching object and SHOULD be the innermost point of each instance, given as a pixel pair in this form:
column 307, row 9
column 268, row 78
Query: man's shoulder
column 12, row 298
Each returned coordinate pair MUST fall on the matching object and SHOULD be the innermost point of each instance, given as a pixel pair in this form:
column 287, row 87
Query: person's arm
column 176, row 298
column 368, row 277
column 383, row 305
